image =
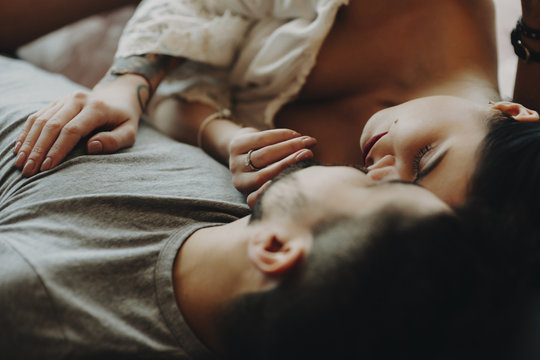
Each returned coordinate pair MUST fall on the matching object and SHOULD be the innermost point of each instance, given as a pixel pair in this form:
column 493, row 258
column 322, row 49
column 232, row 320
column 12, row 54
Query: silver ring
column 250, row 163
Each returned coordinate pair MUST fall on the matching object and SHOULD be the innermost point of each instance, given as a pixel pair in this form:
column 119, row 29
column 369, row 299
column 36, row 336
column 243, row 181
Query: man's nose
column 384, row 169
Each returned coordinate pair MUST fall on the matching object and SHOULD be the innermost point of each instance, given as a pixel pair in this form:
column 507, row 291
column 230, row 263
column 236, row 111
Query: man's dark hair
column 398, row 286
column 501, row 319
column 381, row 285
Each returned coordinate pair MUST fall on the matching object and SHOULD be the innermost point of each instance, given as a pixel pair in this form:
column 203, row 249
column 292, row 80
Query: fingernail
column 17, row 147
column 95, row 147
column 29, row 167
column 20, row 159
column 309, row 141
column 46, row 164
column 304, row 155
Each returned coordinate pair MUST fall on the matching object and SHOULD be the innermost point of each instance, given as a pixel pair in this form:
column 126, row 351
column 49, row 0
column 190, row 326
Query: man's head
column 403, row 278
column 306, row 196
column 358, row 265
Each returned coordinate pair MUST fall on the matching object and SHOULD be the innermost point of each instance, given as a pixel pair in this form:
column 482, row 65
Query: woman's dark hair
column 504, row 204
column 507, row 177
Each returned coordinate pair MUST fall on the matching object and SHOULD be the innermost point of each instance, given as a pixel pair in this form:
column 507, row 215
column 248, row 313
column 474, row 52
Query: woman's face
column 430, row 141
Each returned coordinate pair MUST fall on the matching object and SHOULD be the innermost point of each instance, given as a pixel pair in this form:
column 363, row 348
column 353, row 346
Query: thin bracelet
column 220, row 114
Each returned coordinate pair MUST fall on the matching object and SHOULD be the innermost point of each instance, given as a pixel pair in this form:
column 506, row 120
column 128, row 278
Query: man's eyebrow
column 431, row 165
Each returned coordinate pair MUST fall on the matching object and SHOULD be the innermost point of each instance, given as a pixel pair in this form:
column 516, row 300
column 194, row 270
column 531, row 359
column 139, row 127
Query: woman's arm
column 22, row 21
column 527, row 85
column 254, row 157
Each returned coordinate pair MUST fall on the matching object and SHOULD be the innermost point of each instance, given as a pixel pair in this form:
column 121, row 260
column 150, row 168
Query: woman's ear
column 273, row 255
column 517, row 111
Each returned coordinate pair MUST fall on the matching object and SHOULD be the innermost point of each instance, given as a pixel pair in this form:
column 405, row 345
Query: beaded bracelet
column 520, row 48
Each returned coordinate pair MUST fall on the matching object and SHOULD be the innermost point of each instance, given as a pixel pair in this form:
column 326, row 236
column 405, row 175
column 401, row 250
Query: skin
column 425, row 140
column 219, row 263
column 527, row 86
column 339, row 189
column 456, row 58
column 441, row 132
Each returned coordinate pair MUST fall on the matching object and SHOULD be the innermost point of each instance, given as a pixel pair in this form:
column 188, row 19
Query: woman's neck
column 469, row 85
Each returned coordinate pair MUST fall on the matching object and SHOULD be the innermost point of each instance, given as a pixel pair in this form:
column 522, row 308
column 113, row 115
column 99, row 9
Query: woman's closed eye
column 416, row 164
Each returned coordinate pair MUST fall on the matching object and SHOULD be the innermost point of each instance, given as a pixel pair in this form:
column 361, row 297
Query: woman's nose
column 384, row 169
column 386, row 160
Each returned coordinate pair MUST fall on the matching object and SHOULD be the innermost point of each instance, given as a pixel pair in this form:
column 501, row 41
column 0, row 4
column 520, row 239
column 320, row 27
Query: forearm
column 218, row 136
column 531, row 12
column 527, row 85
column 201, row 125
column 24, row 20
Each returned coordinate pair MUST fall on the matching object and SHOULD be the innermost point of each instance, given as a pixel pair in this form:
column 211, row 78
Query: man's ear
column 517, row 111
column 273, row 255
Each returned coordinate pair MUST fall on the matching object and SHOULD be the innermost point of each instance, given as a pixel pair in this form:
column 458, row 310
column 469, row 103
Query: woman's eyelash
column 418, row 157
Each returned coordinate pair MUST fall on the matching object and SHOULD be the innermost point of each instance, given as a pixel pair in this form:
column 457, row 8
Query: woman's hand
column 256, row 157
column 112, row 109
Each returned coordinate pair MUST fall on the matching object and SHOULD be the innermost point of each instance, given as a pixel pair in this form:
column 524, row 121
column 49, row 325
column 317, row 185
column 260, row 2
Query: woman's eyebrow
column 431, row 165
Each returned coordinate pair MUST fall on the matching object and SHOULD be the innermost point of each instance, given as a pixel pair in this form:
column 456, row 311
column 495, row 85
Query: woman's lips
column 369, row 145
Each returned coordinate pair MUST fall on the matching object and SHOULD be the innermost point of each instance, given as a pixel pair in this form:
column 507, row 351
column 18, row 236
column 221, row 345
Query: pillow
column 84, row 50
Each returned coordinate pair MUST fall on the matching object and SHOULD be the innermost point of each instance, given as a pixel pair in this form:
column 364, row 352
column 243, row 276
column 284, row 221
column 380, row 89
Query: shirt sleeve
column 253, row 55
column 184, row 28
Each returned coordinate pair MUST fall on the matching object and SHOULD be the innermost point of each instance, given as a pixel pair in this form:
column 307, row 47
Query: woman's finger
column 106, row 142
column 271, row 154
column 256, row 140
column 49, row 134
column 82, row 125
column 249, row 181
column 28, row 125
column 38, row 122
column 254, row 196
column 273, row 170
column 259, row 159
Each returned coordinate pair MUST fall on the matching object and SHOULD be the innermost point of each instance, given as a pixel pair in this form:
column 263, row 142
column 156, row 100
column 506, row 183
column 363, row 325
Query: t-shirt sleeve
column 28, row 315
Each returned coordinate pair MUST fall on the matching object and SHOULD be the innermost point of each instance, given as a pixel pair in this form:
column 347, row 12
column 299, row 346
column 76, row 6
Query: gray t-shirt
column 87, row 249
